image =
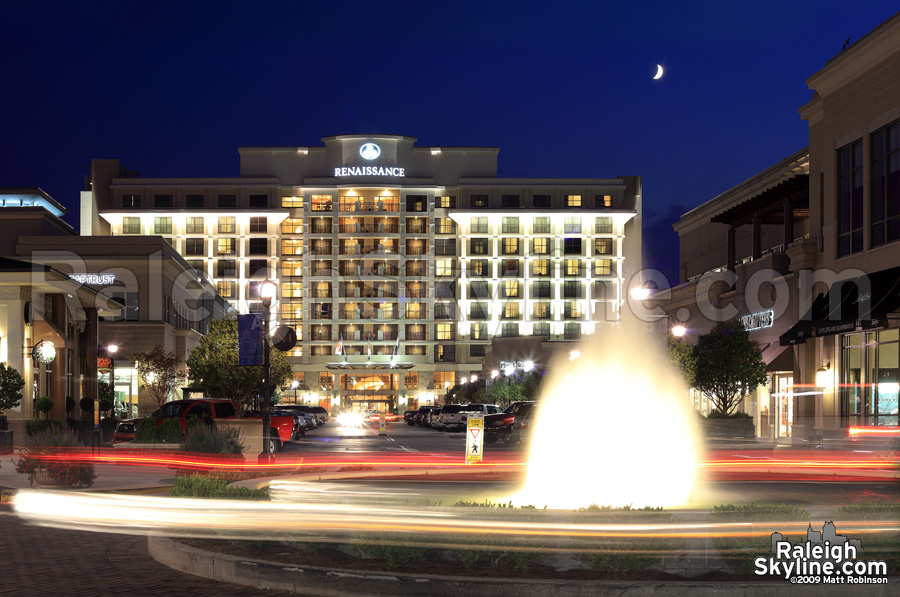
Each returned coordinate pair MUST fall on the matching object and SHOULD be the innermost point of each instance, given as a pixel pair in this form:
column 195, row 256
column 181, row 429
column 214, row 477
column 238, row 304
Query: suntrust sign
column 370, row 171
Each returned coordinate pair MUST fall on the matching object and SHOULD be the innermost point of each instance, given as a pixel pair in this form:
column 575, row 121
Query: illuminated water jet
column 614, row 428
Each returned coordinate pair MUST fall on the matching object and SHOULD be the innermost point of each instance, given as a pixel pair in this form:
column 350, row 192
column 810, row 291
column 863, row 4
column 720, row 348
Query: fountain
column 614, row 429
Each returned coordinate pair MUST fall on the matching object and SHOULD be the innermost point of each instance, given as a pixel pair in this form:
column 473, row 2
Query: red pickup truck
column 183, row 410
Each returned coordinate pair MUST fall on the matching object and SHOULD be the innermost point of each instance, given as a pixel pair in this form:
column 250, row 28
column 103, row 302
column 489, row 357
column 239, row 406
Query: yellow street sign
column 474, row 438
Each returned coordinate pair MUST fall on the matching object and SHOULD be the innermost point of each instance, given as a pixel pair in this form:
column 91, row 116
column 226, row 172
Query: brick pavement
column 44, row 562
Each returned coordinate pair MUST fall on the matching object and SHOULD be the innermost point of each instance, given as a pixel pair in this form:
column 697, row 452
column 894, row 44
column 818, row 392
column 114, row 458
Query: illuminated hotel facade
column 396, row 264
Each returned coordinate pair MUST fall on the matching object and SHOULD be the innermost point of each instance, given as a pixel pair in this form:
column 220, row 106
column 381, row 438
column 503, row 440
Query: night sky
column 564, row 89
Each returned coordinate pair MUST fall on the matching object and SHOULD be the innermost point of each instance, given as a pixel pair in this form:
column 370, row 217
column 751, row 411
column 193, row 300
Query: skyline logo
column 369, row 151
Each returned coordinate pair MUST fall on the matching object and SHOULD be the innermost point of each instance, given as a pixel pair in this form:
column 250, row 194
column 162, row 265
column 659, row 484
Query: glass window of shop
column 870, row 378
column 370, row 382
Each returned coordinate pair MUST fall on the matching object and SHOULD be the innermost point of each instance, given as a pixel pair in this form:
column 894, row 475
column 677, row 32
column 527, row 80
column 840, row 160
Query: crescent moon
column 659, row 72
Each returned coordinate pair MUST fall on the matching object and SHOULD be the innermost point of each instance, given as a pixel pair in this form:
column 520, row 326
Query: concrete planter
column 250, row 432
column 6, row 442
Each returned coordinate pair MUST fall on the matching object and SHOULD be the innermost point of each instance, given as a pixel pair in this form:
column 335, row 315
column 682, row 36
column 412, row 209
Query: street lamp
column 294, row 385
column 111, row 350
column 266, row 293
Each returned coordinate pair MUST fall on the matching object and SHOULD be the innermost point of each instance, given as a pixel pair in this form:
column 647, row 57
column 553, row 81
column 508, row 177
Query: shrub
column 11, row 384
column 146, row 432
column 619, row 555
column 44, row 404
column 740, row 551
column 105, row 404
column 204, row 439
column 170, row 432
column 204, row 487
column 87, row 405
column 108, row 424
column 35, row 426
column 385, row 547
column 43, row 451
column 70, row 404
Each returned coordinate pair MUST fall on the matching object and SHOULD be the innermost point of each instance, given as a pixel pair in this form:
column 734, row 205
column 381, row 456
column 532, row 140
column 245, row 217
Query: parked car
column 497, row 425
column 434, row 418
column 520, row 430
column 455, row 416
column 410, row 417
column 308, row 410
column 183, row 410
column 420, row 416
column 321, row 413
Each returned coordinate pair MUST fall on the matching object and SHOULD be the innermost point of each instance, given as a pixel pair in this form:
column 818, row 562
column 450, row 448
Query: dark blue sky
column 564, row 89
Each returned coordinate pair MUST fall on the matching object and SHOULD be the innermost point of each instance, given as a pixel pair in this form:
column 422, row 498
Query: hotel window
column 573, row 267
column 510, row 288
column 573, row 200
column 291, row 246
column 540, row 267
column 572, row 331
column 292, row 226
column 411, row 381
column 292, row 269
column 540, row 329
column 541, row 202
column 226, row 268
column 479, row 201
column 479, row 267
column 443, row 267
column 258, row 268
column 195, row 246
column 197, row 264
column 885, row 187
column 603, row 226
column 541, row 289
column 541, row 310
column 445, row 226
column 602, row 200
column 321, row 225
column 162, row 225
column 259, row 201
column 572, row 310
column 416, row 203
column 227, row 201
column 131, row 225
column 292, row 202
column 509, row 267
column 445, row 353
column 478, row 225
column 509, row 201
column 850, row 198
column 510, row 246
column 226, row 289
column 226, row 225
column 541, row 225
column 291, row 312
column 603, row 267
column 320, row 202
column 225, row 246
column 259, row 224
column 572, row 246
column 478, row 331
column 479, row 289
column 194, row 201
column 162, row 201
column 445, row 290
column 291, row 290
column 478, row 311
column 604, row 246
column 478, row 246
column 258, row 246
column 511, row 310
column 509, row 330
column 194, row 225
column 129, row 201
column 415, row 311
column 869, row 378
column 540, row 246
column 510, row 225
column 572, row 289
column 443, row 331
column 447, row 201
column 445, row 246
column 132, row 304
column 572, row 226
column 603, row 290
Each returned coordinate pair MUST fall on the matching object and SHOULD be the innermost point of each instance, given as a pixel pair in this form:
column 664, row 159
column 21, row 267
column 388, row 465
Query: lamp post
column 266, row 293
column 111, row 350
column 294, row 385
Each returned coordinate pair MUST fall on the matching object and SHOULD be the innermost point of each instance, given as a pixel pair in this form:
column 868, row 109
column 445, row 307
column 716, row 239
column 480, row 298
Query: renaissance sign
column 758, row 321
column 370, row 171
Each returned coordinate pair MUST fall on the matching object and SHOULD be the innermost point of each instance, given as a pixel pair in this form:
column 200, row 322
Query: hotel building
column 396, row 264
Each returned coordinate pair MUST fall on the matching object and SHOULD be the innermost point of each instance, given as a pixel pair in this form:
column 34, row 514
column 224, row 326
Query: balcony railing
column 369, row 228
column 368, row 314
column 368, row 250
column 414, row 250
column 321, row 294
column 321, row 229
column 416, row 293
column 320, row 336
column 321, row 250
column 321, row 271
column 379, row 270
column 416, row 229
column 411, row 336
column 416, row 271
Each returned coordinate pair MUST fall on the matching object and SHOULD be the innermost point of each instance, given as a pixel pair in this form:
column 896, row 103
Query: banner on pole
column 250, row 340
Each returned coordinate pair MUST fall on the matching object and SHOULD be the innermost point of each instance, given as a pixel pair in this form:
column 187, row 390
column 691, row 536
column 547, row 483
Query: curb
column 345, row 583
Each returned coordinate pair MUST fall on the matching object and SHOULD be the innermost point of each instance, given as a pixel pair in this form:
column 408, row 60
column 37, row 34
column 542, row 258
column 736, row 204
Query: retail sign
column 94, row 279
column 370, row 171
column 369, row 151
column 758, row 321
column 474, row 438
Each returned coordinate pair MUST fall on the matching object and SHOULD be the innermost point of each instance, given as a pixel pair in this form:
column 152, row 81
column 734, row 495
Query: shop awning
column 850, row 304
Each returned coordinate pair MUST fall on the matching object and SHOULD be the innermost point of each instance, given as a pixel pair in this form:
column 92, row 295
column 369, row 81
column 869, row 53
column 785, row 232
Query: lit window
column 131, row 225
column 226, row 225
column 572, row 310
column 478, row 331
column 444, row 331
column 291, row 246
column 225, row 289
column 478, row 225
column 479, row 201
column 573, row 267
column 225, row 246
column 291, row 269
column 511, row 310
column 541, row 246
column 510, row 246
column 510, row 225
column 446, row 225
column 292, row 226
column 321, row 203
column 602, row 200
column 478, row 246
column 603, row 226
column 540, row 267
column 162, row 225
column 541, row 225
column 510, row 288
column 194, row 225
column 443, row 267
column 603, row 246
column 573, row 200
column 446, row 201
column 479, row 267
column 292, row 290
column 541, row 310
column 415, row 311
column 603, row 267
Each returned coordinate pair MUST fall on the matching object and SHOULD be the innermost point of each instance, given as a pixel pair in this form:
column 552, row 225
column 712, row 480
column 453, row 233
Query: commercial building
column 807, row 252
column 396, row 264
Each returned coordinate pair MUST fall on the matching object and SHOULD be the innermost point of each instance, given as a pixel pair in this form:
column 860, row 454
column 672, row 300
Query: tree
column 106, row 395
column 11, row 384
column 158, row 371
column 514, row 388
column 728, row 365
column 465, row 393
column 215, row 366
column 681, row 355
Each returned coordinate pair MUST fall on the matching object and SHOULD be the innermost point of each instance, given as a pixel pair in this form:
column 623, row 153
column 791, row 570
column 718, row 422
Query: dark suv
column 498, row 425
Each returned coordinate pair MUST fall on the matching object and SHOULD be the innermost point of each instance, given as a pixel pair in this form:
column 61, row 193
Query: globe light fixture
column 574, row 355
column 509, row 370
column 267, row 292
column 474, row 378
column 678, row 331
column 528, row 366
column 495, row 374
